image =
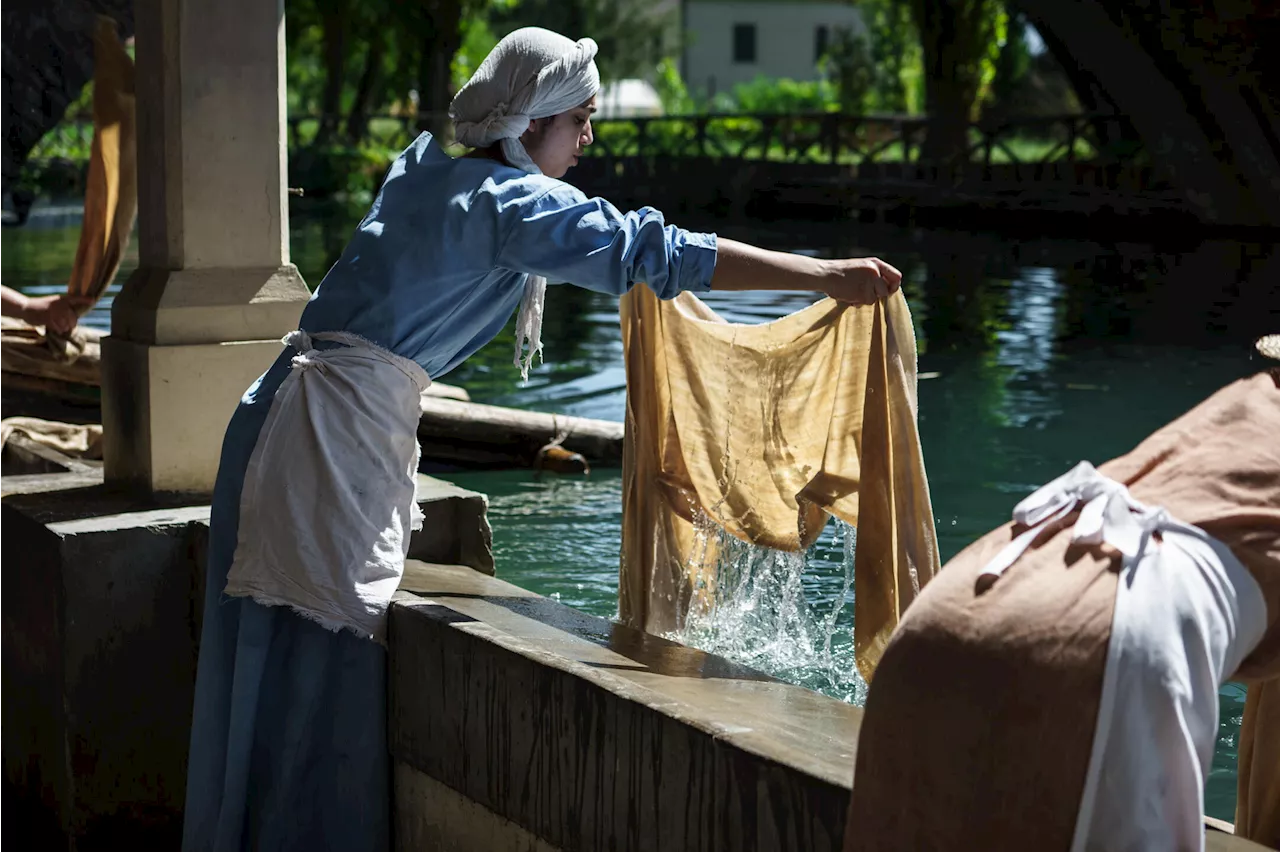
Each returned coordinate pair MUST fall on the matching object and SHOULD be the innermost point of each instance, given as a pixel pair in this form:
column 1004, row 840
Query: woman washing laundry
column 314, row 501
column 1056, row 685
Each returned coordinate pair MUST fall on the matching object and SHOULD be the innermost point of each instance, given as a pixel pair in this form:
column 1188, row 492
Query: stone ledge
column 455, row 528
column 590, row 735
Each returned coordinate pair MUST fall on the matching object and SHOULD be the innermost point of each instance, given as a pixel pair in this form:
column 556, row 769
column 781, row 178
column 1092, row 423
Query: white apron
column 1187, row 613
column 328, row 502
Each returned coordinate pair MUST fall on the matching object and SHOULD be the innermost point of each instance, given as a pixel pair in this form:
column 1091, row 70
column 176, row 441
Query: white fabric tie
column 532, row 73
column 305, row 359
column 309, row 357
column 1110, row 514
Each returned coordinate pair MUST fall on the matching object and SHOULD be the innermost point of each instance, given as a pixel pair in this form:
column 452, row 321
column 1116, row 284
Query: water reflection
column 1025, row 348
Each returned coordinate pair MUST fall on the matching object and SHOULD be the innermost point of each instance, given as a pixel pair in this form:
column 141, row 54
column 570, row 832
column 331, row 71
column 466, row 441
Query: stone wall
column 520, row 723
column 103, row 594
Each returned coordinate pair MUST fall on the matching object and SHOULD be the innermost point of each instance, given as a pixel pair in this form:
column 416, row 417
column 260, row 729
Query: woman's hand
column 861, row 280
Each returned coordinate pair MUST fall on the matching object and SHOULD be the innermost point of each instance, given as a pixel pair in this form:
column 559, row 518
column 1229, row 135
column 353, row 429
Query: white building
column 628, row 99
column 734, row 41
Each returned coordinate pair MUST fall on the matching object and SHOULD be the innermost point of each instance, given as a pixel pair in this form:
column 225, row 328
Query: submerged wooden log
column 443, row 391
column 468, row 434
column 452, row 429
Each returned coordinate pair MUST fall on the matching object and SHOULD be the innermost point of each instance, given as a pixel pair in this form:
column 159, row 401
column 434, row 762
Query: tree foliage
column 353, row 63
column 851, row 68
column 896, row 57
column 350, row 59
column 961, row 42
column 633, row 38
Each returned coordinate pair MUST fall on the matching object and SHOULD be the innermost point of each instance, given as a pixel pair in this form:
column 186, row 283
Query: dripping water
column 776, row 611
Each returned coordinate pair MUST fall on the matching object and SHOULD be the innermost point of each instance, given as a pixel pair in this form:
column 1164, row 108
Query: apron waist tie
column 309, row 357
column 1109, row 515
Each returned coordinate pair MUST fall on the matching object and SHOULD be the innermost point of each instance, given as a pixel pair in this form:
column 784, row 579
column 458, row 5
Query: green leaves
column 633, row 38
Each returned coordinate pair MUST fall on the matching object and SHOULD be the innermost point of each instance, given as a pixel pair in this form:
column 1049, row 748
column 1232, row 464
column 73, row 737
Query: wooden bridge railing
column 860, row 139
column 795, row 138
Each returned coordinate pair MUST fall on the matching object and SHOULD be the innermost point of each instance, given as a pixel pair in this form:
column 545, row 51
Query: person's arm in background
column 740, row 266
column 58, row 313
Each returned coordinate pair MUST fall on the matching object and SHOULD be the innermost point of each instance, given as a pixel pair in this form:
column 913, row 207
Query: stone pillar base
column 165, row 408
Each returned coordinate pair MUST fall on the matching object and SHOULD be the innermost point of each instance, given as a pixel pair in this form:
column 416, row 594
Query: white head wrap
column 532, row 73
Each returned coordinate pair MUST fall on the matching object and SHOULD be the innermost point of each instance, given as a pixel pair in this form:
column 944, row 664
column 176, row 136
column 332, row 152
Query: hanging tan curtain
column 110, row 207
column 765, row 431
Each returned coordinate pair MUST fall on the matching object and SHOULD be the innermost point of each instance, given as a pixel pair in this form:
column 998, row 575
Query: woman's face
column 555, row 143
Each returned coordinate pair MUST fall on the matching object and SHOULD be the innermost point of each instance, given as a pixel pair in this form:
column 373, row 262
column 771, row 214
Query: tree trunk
column 948, row 104
column 951, row 37
column 334, row 19
column 358, row 117
column 1113, row 134
column 435, row 83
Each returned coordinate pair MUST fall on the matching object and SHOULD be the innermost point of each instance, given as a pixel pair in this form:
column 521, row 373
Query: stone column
column 203, row 315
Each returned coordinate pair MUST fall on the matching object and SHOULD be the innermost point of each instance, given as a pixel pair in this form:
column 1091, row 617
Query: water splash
column 775, row 611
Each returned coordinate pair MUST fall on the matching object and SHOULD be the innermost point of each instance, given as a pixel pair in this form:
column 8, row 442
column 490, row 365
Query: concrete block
column 455, row 529
column 101, row 625
column 450, row 821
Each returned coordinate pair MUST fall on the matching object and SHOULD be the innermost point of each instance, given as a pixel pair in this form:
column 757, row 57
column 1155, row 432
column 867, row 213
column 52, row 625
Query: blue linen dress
column 289, row 731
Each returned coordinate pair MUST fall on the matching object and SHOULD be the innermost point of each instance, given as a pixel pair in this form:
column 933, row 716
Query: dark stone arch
column 47, row 59
column 1193, row 80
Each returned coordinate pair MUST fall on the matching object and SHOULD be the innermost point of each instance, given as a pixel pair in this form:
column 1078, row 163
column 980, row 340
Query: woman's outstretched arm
column 740, row 266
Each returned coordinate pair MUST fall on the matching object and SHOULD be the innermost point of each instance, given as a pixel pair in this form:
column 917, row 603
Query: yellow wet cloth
column 111, row 190
column 766, row 430
column 110, row 207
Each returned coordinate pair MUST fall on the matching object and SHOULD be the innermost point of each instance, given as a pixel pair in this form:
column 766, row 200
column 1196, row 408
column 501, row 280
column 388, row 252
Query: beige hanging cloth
column 110, row 207
column 767, row 430
column 111, row 194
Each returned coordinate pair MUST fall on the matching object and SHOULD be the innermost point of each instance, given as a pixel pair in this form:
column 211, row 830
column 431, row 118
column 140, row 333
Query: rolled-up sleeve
column 566, row 237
